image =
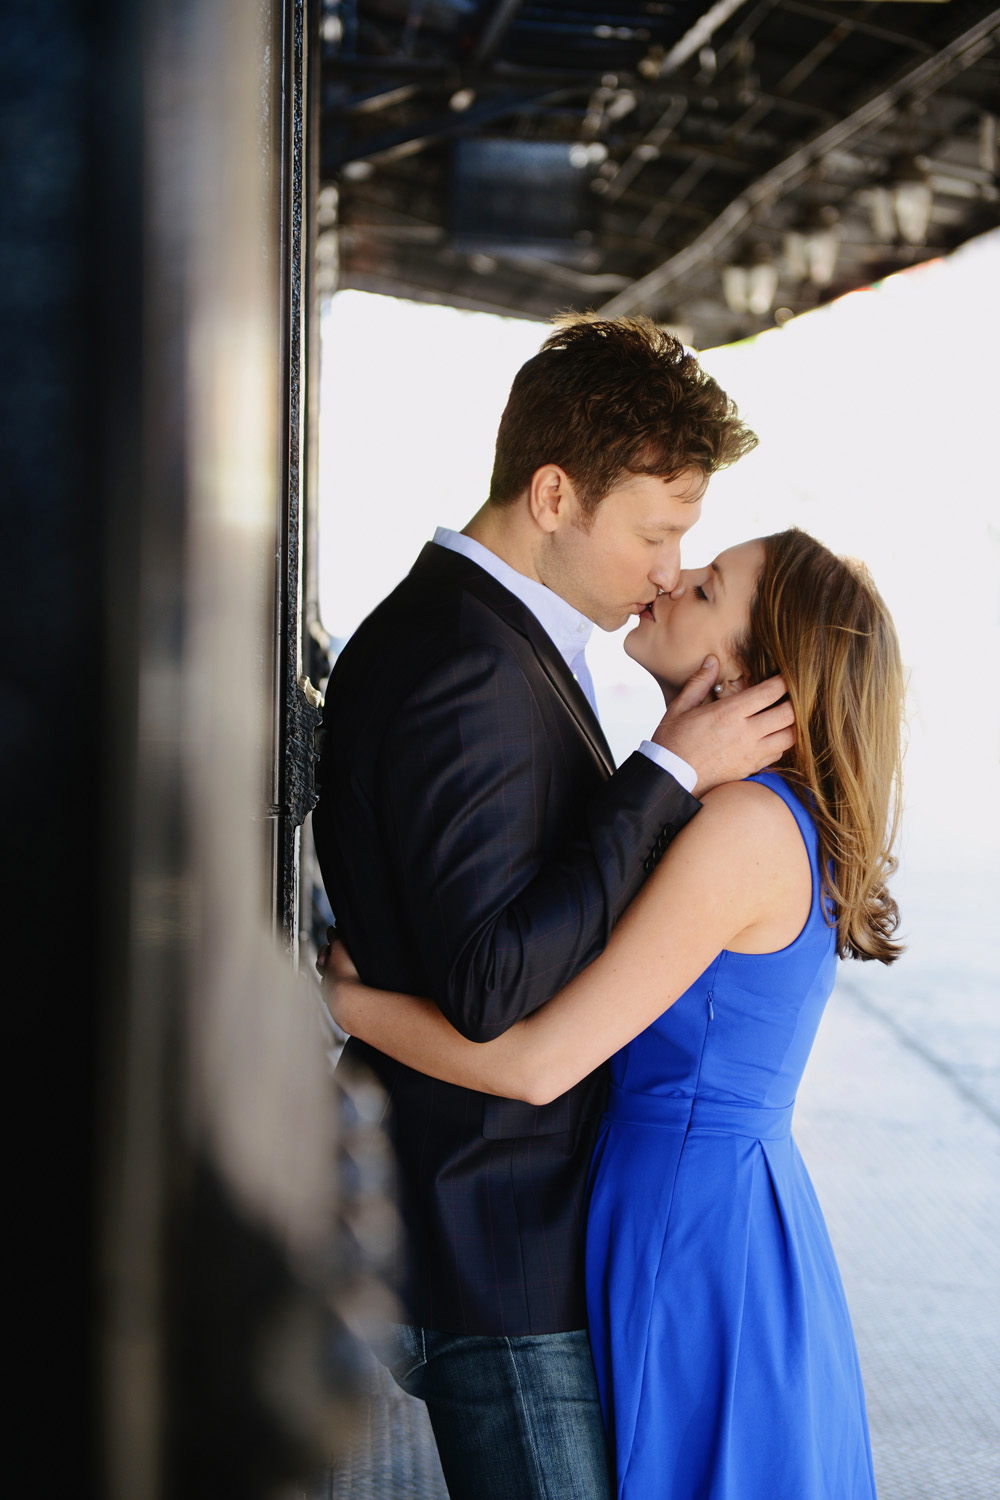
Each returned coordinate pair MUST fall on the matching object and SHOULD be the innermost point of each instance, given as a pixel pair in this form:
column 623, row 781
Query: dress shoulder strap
column 822, row 913
column 776, row 783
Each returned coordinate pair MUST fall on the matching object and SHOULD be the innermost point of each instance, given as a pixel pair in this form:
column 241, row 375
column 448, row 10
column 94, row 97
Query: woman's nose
column 681, row 585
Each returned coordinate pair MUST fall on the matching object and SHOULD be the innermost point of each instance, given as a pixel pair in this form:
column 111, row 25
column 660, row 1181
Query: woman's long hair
column 819, row 620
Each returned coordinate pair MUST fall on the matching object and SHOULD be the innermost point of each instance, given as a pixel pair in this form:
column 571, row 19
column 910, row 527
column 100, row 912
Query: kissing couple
column 589, row 992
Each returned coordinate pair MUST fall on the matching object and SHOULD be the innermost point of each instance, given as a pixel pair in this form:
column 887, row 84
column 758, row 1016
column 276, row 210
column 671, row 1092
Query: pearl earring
column 717, row 688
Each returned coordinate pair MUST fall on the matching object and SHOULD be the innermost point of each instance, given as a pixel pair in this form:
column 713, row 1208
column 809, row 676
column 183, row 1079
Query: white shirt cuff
column 679, row 769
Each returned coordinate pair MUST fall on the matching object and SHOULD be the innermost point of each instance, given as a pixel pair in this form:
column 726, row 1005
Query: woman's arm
column 737, row 868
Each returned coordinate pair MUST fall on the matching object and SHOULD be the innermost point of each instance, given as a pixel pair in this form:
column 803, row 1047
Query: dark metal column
column 298, row 714
column 173, row 1173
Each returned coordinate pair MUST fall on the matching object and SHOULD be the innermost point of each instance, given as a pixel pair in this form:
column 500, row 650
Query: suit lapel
column 455, row 568
column 569, row 690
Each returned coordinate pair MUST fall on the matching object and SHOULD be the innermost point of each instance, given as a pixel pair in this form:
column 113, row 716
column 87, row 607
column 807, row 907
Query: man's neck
column 502, row 530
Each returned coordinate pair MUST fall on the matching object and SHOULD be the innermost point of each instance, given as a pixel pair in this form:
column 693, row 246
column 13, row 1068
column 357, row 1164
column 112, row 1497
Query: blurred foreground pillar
column 179, row 1300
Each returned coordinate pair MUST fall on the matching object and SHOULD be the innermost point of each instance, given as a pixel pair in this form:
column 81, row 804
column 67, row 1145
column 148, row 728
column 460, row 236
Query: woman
column 721, row 1338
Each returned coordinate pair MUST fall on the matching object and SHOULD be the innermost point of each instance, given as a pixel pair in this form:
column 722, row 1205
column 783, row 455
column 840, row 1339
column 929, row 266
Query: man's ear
column 550, row 497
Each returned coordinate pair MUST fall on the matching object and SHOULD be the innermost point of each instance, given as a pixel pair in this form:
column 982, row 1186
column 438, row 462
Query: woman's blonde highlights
column 819, row 620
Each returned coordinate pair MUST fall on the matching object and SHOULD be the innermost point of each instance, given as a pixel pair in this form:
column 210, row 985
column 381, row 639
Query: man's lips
column 648, row 612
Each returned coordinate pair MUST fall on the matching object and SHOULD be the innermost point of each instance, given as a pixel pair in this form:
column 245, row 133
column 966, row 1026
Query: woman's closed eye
column 700, row 592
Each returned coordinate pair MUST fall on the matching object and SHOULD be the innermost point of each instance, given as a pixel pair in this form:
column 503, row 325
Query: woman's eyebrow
column 718, row 573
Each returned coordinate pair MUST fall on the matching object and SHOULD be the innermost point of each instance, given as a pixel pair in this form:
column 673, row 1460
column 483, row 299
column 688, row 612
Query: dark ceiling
column 720, row 167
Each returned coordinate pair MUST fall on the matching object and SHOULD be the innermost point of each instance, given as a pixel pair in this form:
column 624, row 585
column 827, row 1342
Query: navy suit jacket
column 478, row 846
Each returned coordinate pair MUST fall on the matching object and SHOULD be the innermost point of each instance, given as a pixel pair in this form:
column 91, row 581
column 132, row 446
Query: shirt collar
column 570, row 631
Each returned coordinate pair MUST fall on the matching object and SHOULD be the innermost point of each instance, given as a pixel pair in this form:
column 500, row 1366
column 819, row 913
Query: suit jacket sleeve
column 464, row 778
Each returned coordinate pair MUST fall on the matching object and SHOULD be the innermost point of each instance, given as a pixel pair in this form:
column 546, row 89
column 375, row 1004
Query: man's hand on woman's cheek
column 727, row 739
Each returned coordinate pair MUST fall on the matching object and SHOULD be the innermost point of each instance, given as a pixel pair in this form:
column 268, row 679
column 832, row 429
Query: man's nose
column 666, row 574
column 681, row 584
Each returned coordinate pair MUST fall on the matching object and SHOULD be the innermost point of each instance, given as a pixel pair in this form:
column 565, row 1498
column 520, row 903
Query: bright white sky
column 876, row 415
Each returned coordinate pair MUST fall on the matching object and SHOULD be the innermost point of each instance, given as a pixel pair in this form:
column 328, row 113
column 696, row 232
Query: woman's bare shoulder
column 750, row 815
column 748, row 800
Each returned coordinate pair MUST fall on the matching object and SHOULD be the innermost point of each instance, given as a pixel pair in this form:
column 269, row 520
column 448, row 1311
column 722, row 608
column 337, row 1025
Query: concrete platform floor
column 898, row 1120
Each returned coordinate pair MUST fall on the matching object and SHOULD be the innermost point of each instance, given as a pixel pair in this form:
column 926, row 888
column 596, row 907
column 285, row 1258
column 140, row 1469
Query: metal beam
column 699, row 35
column 963, row 52
column 865, row 28
column 496, row 29
column 410, row 138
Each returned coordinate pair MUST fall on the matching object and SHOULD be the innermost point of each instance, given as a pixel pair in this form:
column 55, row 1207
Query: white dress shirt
column 570, row 631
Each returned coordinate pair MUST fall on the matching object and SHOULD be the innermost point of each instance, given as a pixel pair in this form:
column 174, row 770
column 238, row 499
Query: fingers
column 773, row 748
column 753, row 699
column 769, row 731
column 340, row 965
column 770, row 720
column 697, row 688
column 780, row 737
column 775, row 745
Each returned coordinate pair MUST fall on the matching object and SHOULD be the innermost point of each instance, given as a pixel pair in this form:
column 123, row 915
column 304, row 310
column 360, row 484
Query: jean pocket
column 402, row 1348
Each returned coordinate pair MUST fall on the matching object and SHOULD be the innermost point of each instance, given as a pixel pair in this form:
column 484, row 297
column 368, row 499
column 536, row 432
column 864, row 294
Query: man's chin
column 615, row 622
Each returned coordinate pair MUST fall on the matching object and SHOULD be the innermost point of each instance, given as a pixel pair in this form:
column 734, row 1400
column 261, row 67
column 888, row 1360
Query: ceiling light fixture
column 912, row 200
column 811, row 253
column 751, row 287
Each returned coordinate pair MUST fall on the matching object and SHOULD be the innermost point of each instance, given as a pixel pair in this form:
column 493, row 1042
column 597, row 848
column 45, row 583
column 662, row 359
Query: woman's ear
column 728, row 685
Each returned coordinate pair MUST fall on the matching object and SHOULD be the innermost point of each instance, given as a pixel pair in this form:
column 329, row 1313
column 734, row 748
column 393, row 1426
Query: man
column 478, row 846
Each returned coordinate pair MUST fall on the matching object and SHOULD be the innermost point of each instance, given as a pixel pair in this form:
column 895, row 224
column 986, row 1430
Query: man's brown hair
column 605, row 399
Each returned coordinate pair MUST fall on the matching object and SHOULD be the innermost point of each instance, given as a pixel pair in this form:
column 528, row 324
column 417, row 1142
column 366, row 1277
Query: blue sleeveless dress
column 722, row 1341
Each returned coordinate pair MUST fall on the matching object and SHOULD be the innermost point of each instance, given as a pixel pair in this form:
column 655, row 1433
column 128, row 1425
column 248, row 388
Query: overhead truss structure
column 720, row 167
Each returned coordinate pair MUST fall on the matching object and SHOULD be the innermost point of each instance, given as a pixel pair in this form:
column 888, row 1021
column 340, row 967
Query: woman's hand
column 338, row 972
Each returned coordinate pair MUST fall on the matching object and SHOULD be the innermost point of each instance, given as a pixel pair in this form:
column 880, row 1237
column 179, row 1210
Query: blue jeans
column 513, row 1418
